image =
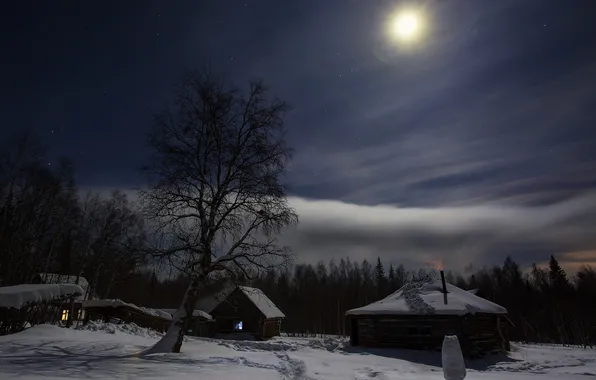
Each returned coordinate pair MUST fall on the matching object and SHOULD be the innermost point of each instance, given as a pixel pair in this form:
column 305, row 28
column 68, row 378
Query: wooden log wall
column 418, row 332
column 478, row 334
column 270, row 328
column 482, row 334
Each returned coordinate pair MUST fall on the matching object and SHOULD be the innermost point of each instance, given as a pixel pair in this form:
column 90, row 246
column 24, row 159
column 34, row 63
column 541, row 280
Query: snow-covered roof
column 195, row 313
column 120, row 303
column 17, row 296
column 156, row 313
column 55, row 278
column 262, row 302
column 209, row 302
column 427, row 297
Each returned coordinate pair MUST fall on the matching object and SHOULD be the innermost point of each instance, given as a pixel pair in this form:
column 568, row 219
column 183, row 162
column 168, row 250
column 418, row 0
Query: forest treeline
column 47, row 224
column 545, row 305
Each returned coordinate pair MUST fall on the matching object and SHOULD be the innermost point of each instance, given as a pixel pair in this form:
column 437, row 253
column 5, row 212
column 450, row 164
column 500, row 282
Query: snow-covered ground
column 108, row 352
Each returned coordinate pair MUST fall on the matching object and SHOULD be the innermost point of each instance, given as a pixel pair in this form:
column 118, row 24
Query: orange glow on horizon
column 436, row 264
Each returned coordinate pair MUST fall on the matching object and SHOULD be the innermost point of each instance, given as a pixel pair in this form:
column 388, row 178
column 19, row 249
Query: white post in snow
column 454, row 367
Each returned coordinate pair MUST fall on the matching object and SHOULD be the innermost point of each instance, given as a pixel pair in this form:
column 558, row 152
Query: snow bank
column 42, row 331
column 427, row 297
column 120, row 303
column 18, row 296
column 125, row 328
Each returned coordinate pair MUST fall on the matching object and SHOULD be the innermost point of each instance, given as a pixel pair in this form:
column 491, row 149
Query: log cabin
column 70, row 311
column 243, row 312
column 420, row 314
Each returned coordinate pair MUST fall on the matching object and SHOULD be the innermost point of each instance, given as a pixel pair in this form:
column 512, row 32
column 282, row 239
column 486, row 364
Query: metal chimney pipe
column 444, row 287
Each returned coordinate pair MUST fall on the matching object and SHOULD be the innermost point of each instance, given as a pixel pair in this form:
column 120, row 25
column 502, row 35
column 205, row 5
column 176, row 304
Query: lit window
column 65, row 315
column 238, row 326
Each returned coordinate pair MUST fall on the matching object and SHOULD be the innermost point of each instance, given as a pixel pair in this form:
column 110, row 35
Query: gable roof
column 55, row 278
column 210, row 301
column 427, row 297
column 214, row 295
column 262, row 302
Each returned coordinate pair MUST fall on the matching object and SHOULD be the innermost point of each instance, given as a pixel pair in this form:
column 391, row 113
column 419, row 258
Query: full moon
column 406, row 26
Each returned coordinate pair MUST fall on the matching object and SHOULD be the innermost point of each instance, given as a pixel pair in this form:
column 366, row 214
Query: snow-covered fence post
column 454, row 367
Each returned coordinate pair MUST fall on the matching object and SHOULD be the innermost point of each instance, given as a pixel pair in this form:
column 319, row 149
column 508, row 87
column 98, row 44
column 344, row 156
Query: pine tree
column 380, row 279
column 557, row 276
column 511, row 272
column 391, row 276
column 401, row 276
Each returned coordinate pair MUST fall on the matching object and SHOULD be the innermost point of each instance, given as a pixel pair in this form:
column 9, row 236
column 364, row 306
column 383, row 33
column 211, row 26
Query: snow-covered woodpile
column 114, row 310
column 420, row 314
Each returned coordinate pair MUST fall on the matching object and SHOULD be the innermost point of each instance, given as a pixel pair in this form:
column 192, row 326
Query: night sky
column 475, row 143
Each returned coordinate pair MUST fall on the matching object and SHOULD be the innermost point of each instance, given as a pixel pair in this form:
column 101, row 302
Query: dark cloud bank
column 480, row 235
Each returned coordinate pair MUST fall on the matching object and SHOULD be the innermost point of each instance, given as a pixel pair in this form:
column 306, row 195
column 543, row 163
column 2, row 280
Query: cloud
column 487, row 112
column 478, row 234
column 501, row 144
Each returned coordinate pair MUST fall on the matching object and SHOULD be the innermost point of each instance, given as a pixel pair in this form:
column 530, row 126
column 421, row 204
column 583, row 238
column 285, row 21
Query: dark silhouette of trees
column 46, row 226
column 215, row 194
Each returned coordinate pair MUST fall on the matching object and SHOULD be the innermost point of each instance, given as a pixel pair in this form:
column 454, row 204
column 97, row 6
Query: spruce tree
column 380, row 279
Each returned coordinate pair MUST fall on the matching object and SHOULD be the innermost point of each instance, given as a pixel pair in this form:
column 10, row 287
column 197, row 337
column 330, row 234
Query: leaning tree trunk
column 172, row 340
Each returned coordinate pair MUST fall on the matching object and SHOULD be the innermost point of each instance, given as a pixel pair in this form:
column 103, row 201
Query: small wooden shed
column 420, row 314
column 243, row 311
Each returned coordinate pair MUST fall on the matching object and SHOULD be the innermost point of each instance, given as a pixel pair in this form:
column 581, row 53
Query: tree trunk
column 172, row 340
column 72, row 307
column 70, row 312
column 110, row 284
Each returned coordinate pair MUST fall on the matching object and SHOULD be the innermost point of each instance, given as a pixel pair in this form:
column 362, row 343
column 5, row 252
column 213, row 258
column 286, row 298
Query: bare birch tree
column 216, row 197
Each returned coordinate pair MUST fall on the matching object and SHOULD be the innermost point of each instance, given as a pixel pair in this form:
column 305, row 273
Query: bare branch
column 216, row 176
